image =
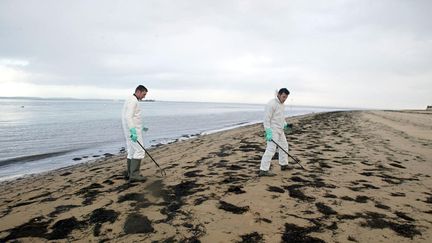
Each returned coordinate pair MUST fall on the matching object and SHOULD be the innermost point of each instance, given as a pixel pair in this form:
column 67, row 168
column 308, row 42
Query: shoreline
column 368, row 172
column 96, row 157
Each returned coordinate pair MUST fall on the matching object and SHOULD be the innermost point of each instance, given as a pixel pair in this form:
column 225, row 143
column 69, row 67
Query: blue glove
column 133, row 134
column 268, row 134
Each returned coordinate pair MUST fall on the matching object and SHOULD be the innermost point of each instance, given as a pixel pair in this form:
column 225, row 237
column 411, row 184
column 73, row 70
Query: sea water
column 38, row 135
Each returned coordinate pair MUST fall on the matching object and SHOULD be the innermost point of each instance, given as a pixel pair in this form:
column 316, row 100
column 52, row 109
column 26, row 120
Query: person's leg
column 267, row 157
column 130, row 151
column 135, row 171
column 283, row 157
column 138, row 155
column 127, row 174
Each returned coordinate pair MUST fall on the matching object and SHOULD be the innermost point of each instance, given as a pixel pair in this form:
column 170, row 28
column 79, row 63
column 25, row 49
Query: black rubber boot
column 134, row 171
column 285, row 167
column 266, row 173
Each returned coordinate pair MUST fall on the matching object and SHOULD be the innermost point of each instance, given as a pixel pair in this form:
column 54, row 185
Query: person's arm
column 288, row 127
column 130, row 109
column 268, row 114
column 269, row 111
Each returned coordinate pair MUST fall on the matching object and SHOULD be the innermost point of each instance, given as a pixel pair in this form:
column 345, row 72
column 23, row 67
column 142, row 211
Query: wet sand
column 367, row 179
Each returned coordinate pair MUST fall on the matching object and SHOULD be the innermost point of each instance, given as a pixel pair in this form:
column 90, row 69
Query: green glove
column 133, row 134
column 268, row 134
column 145, row 129
column 288, row 127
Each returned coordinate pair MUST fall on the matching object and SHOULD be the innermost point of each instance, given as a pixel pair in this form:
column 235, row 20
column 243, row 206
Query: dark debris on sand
column 122, row 187
column 138, row 197
column 375, row 220
column 102, row 215
column 294, row 233
column 235, row 167
column 186, row 188
column 89, row 193
column 62, row 228
column 403, row 215
column 248, row 146
column 20, row 204
column 232, row 179
column 36, row 227
column 174, row 195
column 275, row 189
column 329, row 195
column 226, row 150
column 193, row 173
column 350, row 238
column 200, row 200
column 61, row 209
column 108, row 182
column 263, row 220
column 66, row 174
column 253, row 237
column 405, row 230
column 236, row 189
column 324, row 209
column 397, row 194
column 429, row 199
column 397, row 165
column 232, row 208
column 136, row 224
column 295, row 192
column 362, row 199
column 395, row 180
column 382, row 206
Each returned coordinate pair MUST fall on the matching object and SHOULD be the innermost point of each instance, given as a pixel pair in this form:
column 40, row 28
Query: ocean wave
column 33, row 157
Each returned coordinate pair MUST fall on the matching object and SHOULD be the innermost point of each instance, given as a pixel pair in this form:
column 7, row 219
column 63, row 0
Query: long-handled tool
column 296, row 160
column 162, row 171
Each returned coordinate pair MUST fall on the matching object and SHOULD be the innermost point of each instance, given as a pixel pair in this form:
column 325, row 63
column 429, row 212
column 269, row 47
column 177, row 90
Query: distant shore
column 367, row 179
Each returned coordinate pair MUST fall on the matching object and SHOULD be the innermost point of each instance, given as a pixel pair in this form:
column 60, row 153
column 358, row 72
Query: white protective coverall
column 275, row 120
column 131, row 118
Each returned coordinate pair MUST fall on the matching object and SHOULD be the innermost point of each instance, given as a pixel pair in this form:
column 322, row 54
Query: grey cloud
column 313, row 46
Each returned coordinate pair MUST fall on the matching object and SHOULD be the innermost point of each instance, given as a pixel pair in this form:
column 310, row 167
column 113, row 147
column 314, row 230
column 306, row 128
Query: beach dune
column 367, row 179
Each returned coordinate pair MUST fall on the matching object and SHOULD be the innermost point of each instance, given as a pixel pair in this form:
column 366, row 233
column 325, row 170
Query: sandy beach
column 367, row 179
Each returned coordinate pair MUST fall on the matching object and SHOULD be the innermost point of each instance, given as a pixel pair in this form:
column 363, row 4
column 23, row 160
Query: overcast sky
column 367, row 54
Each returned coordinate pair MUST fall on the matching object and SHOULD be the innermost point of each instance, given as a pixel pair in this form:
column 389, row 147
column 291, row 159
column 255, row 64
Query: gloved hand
column 133, row 134
column 288, row 127
column 268, row 134
column 145, row 129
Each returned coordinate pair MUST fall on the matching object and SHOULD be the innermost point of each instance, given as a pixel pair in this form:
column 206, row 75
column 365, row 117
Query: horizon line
column 154, row 100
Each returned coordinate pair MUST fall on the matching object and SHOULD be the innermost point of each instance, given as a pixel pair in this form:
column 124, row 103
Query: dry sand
column 368, row 179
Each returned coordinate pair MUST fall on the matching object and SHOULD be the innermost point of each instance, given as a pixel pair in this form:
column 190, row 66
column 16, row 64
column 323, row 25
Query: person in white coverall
column 274, row 125
column 133, row 129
